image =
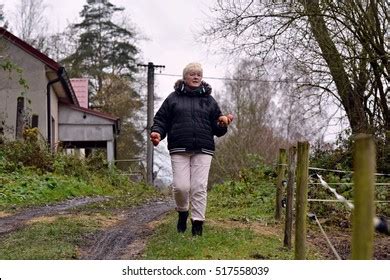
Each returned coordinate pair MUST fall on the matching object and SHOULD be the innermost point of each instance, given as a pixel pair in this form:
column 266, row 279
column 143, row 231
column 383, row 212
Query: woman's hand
column 155, row 137
column 225, row 120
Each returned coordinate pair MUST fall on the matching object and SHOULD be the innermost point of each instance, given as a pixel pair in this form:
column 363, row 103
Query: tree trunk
column 352, row 101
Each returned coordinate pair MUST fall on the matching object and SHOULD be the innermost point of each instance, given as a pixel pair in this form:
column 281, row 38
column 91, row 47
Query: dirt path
column 17, row 221
column 124, row 240
column 127, row 239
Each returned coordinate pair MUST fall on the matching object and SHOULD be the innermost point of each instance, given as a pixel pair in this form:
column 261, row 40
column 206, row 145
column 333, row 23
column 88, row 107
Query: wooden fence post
column 301, row 200
column 279, row 186
column 364, row 164
column 292, row 162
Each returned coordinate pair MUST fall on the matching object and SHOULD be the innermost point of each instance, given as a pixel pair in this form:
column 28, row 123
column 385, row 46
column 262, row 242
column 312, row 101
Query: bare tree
column 268, row 115
column 3, row 22
column 340, row 47
column 301, row 112
column 251, row 133
column 30, row 22
column 60, row 45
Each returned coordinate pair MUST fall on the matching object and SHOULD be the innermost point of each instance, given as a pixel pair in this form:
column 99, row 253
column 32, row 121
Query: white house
column 50, row 102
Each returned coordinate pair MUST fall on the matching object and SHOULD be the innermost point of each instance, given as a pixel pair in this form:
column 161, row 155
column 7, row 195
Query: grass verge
column 26, row 188
column 239, row 225
column 218, row 242
column 54, row 240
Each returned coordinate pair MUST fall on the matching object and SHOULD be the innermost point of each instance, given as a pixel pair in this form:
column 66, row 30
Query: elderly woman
column 190, row 117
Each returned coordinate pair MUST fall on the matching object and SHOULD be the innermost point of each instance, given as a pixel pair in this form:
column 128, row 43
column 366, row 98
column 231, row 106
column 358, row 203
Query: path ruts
column 18, row 220
column 126, row 239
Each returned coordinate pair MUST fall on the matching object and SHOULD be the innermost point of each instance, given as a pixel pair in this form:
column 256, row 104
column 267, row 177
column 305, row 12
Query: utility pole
column 150, row 114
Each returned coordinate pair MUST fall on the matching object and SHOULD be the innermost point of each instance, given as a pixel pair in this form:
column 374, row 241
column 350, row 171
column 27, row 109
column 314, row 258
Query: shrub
column 252, row 195
column 71, row 165
column 29, row 152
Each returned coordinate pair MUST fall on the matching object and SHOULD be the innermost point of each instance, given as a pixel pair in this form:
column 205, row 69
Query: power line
column 239, row 80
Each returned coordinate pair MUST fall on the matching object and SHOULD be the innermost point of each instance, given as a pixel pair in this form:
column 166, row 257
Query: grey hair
column 194, row 66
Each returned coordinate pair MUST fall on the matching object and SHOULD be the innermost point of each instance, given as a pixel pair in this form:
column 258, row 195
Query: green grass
column 59, row 240
column 242, row 201
column 31, row 175
column 47, row 240
column 29, row 188
column 248, row 203
column 26, row 187
column 241, row 226
column 215, row 243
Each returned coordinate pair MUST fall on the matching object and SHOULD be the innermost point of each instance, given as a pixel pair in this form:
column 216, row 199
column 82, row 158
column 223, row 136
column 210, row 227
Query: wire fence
column 344, row 171
column 131, row 168
column 380, row 224
column 363, row 196
column 331, row 246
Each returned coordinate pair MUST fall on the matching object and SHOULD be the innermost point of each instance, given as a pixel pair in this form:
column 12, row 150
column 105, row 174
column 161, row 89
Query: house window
column 53, row 134
column 34, row 121
column 19, row 118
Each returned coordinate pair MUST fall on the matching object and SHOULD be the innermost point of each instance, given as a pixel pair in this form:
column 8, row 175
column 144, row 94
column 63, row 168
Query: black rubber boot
column 182, row 221
column 197, row 228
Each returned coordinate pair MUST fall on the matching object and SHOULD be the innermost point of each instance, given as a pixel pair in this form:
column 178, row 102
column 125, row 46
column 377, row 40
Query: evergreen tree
column 118, row 98
column 105, row 52
column 104, row 47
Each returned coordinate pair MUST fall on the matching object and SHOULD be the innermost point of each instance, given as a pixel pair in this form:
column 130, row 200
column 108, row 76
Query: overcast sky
column 169, row 25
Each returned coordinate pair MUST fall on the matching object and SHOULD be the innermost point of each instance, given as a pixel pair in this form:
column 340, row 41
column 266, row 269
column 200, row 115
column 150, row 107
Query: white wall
column 34, row 73
column 75, row 125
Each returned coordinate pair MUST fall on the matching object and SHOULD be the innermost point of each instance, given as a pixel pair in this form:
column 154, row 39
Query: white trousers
column 190, row 176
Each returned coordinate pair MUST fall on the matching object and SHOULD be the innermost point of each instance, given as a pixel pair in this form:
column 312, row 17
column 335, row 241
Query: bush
column 70, row 165
column 250, row 196
column 29, row 153
column 34, row 153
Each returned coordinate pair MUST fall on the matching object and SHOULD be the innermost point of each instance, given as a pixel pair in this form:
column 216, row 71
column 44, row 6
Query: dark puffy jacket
column 189, row 118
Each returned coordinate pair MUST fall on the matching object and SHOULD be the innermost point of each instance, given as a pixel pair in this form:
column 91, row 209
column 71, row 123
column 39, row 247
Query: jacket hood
column 181, row 88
